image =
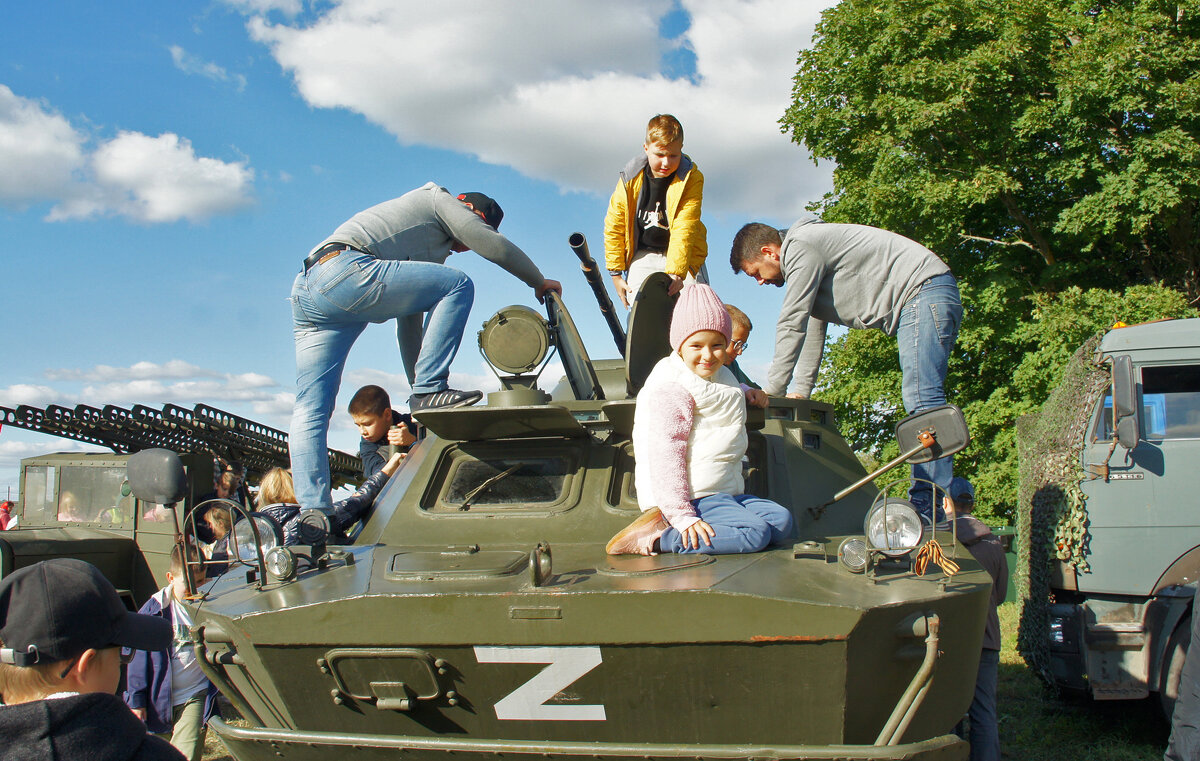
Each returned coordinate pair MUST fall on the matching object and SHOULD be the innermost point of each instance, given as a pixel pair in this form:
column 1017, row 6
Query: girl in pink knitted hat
column 689, row 437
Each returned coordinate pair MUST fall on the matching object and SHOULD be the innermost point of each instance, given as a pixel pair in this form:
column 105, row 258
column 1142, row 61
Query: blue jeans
column 928, row 327
column 744, row 523
column 983, row 716
column 331, row 305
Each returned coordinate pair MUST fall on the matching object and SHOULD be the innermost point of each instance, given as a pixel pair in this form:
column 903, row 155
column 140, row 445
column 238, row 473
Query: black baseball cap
column 56, row 609
column 492, row 213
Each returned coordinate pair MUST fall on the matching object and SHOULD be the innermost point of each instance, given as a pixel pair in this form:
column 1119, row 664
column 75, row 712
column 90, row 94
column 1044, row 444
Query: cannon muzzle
column 591, row 272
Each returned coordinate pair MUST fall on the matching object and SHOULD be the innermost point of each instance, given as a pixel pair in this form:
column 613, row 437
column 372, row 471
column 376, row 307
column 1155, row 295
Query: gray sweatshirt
column 851, row 275
column 421, row 226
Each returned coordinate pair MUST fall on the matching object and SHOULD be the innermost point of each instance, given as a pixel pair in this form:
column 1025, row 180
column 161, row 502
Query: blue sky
column 165, row 167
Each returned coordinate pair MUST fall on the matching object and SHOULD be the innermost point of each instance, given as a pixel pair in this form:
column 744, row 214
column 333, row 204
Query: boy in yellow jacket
column 653, row 221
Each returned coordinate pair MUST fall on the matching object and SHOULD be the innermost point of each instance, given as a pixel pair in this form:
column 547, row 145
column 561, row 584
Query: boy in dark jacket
column 986, row 548
column 62, row 627
column 166, row 688
column 381, row 427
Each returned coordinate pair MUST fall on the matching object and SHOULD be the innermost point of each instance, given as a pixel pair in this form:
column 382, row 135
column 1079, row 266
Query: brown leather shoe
column 638, row 538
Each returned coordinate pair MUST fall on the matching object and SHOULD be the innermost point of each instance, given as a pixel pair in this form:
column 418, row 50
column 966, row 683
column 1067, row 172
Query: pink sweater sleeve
column 671, row 412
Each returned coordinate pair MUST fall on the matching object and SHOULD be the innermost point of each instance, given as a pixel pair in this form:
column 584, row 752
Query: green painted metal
column 476, row 614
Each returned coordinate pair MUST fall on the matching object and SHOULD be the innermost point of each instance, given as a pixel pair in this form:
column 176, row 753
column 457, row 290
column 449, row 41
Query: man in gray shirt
column 386, row 263
column 860, row 277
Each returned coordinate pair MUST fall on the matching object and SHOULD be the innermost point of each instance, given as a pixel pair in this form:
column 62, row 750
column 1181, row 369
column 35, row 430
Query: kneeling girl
column 689, row 437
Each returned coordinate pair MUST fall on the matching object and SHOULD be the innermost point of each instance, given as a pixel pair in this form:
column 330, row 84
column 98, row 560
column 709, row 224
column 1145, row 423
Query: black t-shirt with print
column 654, row 229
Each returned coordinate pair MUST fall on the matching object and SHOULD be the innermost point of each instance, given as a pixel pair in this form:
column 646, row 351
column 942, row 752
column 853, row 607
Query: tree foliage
column 1048, row 151
column 1059, row 138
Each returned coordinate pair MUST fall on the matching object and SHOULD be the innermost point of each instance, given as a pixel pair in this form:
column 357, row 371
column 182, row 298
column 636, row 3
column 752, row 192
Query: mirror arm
column 925, row 439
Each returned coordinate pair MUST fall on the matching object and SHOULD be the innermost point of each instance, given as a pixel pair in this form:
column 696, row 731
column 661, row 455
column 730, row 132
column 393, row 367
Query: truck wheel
column 1172, row 666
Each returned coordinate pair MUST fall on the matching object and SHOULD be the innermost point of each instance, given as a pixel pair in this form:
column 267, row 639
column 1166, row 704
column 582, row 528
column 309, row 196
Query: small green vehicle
column 475, row 613
column 79, row 504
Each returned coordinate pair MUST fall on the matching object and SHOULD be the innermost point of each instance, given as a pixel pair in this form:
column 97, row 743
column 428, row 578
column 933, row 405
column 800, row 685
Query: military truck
column 79, row 504
column 476, row 614
column 1110, row 530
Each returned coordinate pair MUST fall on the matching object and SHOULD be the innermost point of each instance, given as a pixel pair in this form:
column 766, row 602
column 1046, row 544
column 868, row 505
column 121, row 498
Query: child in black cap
column 62, row 628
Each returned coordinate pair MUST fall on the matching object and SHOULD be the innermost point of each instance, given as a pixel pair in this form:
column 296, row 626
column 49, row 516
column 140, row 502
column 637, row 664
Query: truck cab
column 79, row 505
column 1119, row 622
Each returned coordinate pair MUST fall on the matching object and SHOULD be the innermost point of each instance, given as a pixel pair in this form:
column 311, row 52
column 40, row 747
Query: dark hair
column 748, row 243
column 370, row 400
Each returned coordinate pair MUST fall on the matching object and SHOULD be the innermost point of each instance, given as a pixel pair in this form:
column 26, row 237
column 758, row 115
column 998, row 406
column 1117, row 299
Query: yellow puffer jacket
column 689, row 239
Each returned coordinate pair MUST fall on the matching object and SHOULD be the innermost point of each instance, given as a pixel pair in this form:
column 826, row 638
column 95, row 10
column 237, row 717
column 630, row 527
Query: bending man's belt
column 327, row 252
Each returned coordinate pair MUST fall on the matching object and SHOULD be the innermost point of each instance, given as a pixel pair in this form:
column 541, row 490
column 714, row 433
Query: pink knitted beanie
column 698, row 309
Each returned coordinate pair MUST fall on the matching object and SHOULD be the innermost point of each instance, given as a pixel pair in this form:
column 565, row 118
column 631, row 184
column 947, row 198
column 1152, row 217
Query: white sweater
column 689, row 436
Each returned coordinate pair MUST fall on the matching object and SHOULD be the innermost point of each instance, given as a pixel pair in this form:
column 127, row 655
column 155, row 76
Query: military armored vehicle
column 476, row 614
column 79, row 505
column 1110, row 537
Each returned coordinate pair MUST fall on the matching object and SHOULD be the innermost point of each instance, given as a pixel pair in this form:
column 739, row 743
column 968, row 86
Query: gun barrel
column 591, row 272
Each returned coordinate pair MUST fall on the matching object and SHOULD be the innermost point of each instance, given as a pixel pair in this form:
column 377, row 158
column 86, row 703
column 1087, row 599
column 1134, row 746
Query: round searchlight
column 270, row 534
column 515, row 340
column 893, row 527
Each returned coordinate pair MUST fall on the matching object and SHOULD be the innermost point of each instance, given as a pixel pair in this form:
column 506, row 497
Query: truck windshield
column 93, row 495
column 1170, row 404
column 1171, row 401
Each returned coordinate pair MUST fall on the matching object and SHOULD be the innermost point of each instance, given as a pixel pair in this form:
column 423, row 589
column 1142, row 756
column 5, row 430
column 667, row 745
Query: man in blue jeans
column 860, row 277
column 386, row 263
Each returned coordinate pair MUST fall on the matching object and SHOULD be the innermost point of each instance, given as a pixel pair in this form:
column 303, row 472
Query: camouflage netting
column 1052, row 514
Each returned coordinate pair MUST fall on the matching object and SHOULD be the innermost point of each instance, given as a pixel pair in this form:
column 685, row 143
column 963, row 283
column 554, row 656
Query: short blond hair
column 663, row 129
column 276, row 488
column 21, row 684
column 739, row 318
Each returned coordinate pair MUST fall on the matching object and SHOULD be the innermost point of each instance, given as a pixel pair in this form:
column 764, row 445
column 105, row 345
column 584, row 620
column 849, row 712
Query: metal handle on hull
column 207, row 661
column 910, row 701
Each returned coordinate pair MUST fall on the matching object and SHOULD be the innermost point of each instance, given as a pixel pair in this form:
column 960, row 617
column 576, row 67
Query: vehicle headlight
column 281, row 563
column 270, row 535
column 852, row 554
column 1058, row 631
column 894, row 527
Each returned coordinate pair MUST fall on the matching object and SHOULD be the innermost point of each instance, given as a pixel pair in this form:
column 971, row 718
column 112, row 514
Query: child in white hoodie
column 689, row 437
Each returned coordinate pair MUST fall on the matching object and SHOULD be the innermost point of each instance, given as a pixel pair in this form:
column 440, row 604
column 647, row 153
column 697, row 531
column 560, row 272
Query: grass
column 1035, row 724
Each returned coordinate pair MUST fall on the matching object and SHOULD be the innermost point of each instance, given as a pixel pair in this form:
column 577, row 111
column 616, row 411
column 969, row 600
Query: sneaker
column 638, row 538
column 443, row 399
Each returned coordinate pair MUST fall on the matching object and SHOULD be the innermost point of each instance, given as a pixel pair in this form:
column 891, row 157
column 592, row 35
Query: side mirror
column 157, row 475
column 1124, row 394
column 948, row 426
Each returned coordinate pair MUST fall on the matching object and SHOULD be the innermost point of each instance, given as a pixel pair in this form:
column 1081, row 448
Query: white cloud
column 153, row 384
column 561, row 90
column 25, row 393
column 175, row 368
column 158, row 179
column 39, row 150
column 190, row 64
column 147, row 179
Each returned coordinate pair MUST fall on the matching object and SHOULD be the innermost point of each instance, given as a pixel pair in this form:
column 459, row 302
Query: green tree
column 1048, row 151
column 1057, row 138
column 993, row 389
